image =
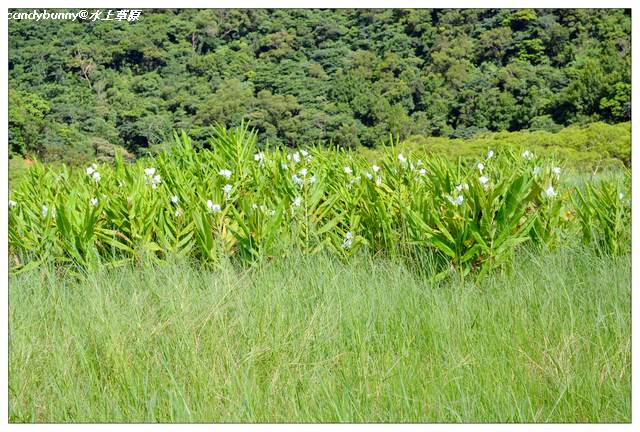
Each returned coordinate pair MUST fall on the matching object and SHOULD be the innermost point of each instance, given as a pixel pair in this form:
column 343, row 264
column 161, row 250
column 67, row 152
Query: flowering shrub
column 240, row 201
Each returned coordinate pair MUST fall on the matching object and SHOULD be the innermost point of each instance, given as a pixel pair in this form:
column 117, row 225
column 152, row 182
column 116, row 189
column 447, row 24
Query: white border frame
column 147, row 4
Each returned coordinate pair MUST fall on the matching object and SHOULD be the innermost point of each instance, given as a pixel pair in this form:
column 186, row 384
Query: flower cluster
column 549, row 192
column 301, row 179
column 152, row 178
column 456, row 201
column 45, row 211
column 297, row 156
column 348, row 240
column 92, row 171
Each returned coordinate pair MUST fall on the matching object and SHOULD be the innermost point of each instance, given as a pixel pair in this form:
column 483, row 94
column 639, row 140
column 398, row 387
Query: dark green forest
column 300, row 77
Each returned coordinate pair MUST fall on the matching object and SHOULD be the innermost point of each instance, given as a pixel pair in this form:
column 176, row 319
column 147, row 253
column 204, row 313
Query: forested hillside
column 305, row 76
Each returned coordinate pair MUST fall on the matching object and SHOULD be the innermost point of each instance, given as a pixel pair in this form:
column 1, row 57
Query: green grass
column 316, row 339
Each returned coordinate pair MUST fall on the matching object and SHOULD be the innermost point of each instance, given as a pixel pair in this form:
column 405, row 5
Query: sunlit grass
column 315, row 339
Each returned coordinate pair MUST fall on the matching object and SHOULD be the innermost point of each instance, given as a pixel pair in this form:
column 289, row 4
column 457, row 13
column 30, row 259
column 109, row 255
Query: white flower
column 348, row 240
column 96, row 176
column 536, row 170
column 455, row 201
column 296, row 157
column 227, row 189
column 225, row 173
column 401, row 158
column 347, row 243
column 549, row 192
column 459, row 188
column 283, row 165
column 489, row 154
column 480, row 166
column 527, row 154
column 213, row 208
column 419, row 163
column 378, row 181
column 556, row 170
column 254, row 206
column 45, row 210
column 375, row 168
column 297, row 180
column 621, row 195
column 465, row 186
column 369, row 176
column 303, row 172
column 178, row 213
column 312, row 179
column 12, row 203
column 348, row 170
column 94, row 202
column 259, row 157
column 304, row 153
column 90, row 170
column 149, row 171
column 422, row 171
column 483, row 180
column 155, row 181
column 297, row 201
column 175, row 199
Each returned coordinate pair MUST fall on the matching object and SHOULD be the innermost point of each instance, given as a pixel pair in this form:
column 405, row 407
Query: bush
column 583, row 147
column 236, row 201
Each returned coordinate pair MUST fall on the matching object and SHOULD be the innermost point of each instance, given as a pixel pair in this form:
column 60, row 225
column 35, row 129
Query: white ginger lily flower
column 213, row 208
column 549, row 192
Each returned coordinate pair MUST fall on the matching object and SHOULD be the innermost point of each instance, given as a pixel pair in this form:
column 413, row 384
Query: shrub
column 238, row 201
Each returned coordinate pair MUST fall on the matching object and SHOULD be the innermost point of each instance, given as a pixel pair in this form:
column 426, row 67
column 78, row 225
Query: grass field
column 317, row 339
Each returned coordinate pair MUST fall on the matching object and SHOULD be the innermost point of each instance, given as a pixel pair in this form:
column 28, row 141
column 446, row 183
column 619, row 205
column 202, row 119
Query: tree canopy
column 307, row 76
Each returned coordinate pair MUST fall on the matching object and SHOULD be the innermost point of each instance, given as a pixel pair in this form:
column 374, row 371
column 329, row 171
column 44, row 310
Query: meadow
column 316, row 339
column 249, row 284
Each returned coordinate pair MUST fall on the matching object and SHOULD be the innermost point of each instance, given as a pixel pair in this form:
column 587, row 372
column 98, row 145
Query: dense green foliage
column 593, row 147
column 306, row 76
column 237, row 201
column 314, row 339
